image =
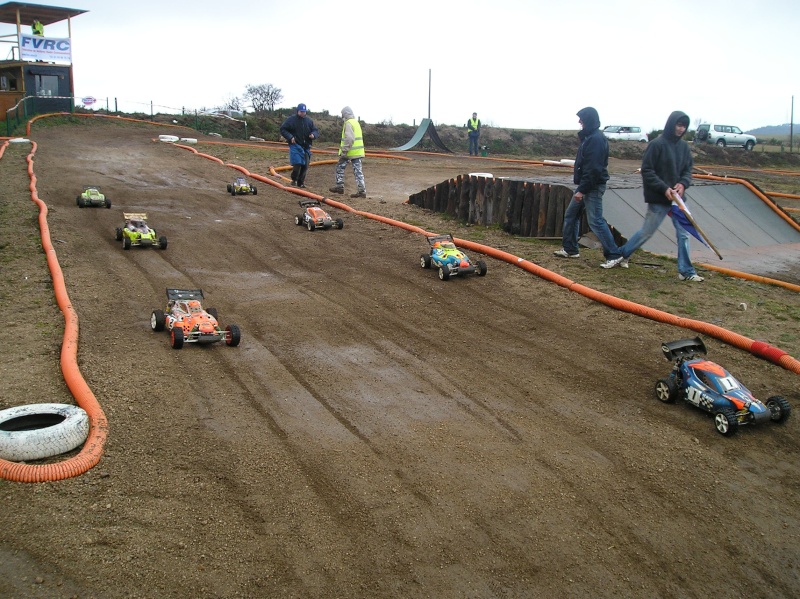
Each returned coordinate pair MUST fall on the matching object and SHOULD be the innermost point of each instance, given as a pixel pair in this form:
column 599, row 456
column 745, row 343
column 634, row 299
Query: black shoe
column 359, row 194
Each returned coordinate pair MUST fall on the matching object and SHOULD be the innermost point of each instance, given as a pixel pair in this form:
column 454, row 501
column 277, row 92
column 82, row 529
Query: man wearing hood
column 299, row 130
column 351, row 149
column 590, row 174
column 666, row 170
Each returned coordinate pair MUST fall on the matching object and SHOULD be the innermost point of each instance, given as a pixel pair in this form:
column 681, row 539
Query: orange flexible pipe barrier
column 92, row 449
column 750, row 277
column 775, row 194
column 756, row 191
column 757, row 348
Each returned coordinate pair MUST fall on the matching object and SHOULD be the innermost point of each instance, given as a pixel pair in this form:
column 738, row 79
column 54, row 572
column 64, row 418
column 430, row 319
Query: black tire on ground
column 339, row 223
column 108, row 203
column 176, row 337
column 310, row 225
column 162, row 243
column 725, row 422
column 444, row 274
column 779, row 408
column 36, row 431
column 298, row 220
column 254, row 190
column 425, row 261
column 749, row 145
column 81, row 202
column 158, row 320
column 721, row 143
column 230, row 188
column 78, row 202
column 126, row 243
column 481, row 268
column 118, row 233
column 213, row 312
column 666, row 390
column 234, row 335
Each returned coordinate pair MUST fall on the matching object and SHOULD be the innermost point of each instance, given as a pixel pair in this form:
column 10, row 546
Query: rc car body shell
column 187, row 321
column 92, row 196
column 314, row 217
column 448, row 259
column 240, row 186
column 708, row 386
column 136, row 232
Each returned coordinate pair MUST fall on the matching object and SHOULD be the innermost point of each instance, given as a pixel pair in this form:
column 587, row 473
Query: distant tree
column 233, row 103
column 263, row 97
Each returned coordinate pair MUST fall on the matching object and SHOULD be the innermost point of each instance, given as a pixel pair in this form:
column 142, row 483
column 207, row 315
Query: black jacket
column 591, row 163
column 667, row 161
column 299, row 127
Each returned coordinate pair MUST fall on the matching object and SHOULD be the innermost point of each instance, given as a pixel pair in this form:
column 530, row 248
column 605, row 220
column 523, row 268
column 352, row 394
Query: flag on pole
column 680, row 215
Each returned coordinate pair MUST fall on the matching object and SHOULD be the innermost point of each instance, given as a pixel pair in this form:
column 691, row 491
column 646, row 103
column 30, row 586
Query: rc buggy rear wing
column 442, row 238
column 134, row 215
column 184, row 294
column 683, row 348
column 309, row 203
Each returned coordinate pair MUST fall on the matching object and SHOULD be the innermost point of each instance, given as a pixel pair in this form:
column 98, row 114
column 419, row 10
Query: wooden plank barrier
column 520, row 207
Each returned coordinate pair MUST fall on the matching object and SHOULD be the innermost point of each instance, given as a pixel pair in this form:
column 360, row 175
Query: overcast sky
column 526, row 64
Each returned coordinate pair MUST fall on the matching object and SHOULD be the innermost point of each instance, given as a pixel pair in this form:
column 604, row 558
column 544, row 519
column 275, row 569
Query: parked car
column 724, row 135
column 625, row 132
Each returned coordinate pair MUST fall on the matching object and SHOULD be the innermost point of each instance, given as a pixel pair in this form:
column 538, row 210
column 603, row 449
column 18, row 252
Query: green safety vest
column 474, row 124
column 357, row 151
column 37, row 28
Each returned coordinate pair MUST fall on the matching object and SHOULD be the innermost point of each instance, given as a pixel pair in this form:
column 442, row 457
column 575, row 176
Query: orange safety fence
column 92, row 449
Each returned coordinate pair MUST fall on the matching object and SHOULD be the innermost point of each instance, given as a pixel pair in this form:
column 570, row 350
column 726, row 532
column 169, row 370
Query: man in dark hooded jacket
column 666, row 170
column 300, row 132
column 590, row 175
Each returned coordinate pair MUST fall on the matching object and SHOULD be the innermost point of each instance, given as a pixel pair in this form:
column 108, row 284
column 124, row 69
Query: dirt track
column 378, row 433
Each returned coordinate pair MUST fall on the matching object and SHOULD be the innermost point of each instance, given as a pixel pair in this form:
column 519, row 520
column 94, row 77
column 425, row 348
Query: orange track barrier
column 92, row 450
column 757, row 348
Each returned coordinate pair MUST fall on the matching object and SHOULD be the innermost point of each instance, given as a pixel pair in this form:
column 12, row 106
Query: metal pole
column 429, row 94
column 791, row 128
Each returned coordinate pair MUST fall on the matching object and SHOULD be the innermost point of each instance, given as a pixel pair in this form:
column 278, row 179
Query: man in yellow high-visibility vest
column 474, row 133
column 351, row 149
column 37, row 28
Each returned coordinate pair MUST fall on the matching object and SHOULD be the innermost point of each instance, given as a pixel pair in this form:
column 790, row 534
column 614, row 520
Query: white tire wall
column 37, row 431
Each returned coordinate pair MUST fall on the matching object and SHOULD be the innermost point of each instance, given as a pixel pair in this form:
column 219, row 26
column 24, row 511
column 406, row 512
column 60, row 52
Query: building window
column 46, row 85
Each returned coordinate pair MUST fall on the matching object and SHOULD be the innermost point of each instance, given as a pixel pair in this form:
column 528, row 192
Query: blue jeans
column 656, row 213
column 592, row 202
column 473, row 143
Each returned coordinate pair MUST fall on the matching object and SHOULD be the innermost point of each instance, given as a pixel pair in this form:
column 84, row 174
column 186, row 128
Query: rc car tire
column 425, row 261
column 230, row 188
column 158, row 320
column 108, row 203
column 311, row 226
column 176, row 337
column 78, row 202
column 254, row 190
column 234, row 335
column 126, row 243
column 37, row 431
column 339, row 223
column 444, row 274
column 725, row 422
column 214, row 312
column 162, row 243
column 118, row 233
column 233, row 192
column 779, row 408
column 481, row 268
column 666, row 390
column 298, row 220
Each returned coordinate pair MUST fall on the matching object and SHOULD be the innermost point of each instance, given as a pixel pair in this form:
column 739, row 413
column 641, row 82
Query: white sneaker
column 563, row 253
column 612, row 262
column 624, row 263
column 695, row 278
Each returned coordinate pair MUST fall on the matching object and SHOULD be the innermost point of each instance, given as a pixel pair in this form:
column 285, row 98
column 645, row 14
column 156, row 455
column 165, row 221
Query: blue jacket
column 299, row 127
column 666, row 162
column 591, row 162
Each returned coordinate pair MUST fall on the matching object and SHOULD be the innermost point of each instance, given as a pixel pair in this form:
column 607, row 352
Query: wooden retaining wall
column 524, row 208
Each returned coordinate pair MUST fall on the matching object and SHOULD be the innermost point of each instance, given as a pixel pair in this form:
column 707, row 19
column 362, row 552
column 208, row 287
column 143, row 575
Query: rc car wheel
column 298, row 220
column 176, row 336
column 233, row 192
column 779, row 408
column 230, row 188
column 444, row 274
column 311, row 226
column 118, row 233
column 78, row 202
column 721, row 143
column 749, row 145
column 725, row 422
column 666, row 390
column 254, row 190
column 339, row 223
column 108, row 203
column 162, row 243
column 158, row 320
column 234, row 336
column 481, row 268
column 425, row 261
column 126, row 243
column 213, row 312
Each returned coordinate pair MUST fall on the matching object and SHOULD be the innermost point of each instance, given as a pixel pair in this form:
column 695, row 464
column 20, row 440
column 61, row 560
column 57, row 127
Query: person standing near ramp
column 300, row 132
column 474, row 133
column 351, row 149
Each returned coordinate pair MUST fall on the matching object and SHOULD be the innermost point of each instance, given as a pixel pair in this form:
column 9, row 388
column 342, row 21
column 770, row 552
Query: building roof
column 28, row 12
